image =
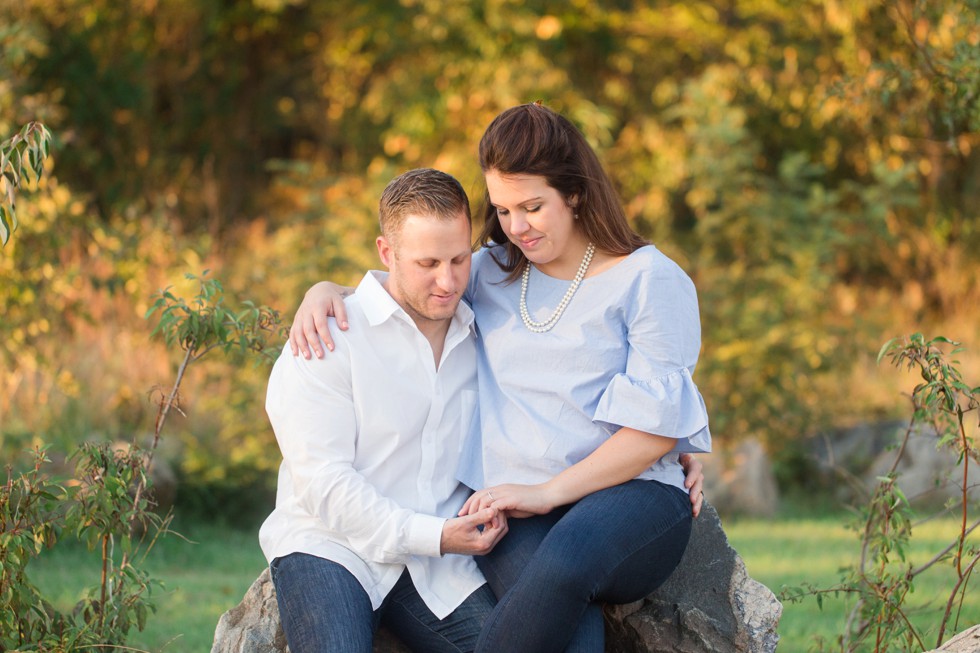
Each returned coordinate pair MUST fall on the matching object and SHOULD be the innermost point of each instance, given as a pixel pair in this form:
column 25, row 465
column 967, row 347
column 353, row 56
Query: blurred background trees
column 815, row 166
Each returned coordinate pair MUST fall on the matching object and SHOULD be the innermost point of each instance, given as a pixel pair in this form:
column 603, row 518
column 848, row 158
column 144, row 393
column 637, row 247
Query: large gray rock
column 928, row 474
column 967, row 641
column 740, row 480
column 708, row 605
column 253, row 625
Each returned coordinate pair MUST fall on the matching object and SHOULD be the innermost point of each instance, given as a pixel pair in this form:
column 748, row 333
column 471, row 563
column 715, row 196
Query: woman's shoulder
column 489, row 254
column 650, row 264
column 486, row 262
column 654, row 286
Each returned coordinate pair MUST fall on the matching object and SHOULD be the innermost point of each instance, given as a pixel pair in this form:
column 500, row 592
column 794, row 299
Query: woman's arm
column 619, row 459
column 323, row 300
column 693, row 481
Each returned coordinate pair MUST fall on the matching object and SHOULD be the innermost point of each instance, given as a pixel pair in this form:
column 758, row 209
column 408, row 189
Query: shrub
column 883, row 578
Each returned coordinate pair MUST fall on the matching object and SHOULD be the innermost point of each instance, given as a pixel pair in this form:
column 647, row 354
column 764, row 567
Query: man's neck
column 435, row 332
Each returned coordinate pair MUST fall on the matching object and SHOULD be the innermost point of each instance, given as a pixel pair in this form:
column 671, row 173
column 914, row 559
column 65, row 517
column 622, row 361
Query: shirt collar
column 379, row 306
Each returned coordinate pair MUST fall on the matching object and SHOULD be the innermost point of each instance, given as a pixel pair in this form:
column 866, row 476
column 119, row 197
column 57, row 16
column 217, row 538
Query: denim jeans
column 551, row 571
column 324, row 609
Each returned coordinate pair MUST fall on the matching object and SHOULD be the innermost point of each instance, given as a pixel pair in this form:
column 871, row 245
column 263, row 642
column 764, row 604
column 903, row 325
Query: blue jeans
column 550, row 571
column 324, row 609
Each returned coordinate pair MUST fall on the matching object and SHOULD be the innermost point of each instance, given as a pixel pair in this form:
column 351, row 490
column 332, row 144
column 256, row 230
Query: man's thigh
column 322, row 606
column 406, row 615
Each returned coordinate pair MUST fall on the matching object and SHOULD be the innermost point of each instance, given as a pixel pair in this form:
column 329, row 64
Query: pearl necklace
column 541, row 327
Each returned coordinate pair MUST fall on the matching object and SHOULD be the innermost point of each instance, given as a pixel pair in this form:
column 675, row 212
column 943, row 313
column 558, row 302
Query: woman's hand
column 323, row 300
column 514, row 500
column 694, row 480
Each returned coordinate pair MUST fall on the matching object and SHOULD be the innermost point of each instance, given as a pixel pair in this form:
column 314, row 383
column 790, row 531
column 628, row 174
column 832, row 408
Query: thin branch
column 939, row 556
column 966, row 481
column 952, row 598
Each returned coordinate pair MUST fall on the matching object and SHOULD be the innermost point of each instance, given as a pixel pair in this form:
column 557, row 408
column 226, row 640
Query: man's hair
column 423, row 192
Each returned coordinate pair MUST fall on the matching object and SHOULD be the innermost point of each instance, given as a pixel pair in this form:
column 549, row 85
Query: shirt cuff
column 425, row 535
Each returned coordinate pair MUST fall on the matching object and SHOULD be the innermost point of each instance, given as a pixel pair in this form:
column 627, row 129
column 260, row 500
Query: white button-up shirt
column 370, row 438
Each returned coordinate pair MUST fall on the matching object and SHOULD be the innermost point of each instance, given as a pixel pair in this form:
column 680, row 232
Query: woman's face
column 539, row 220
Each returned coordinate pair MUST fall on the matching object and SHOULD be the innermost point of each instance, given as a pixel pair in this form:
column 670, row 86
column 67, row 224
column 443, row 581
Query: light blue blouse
column 622, row 355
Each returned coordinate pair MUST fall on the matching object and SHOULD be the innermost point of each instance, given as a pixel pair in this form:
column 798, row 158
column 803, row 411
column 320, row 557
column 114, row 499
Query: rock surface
column 850, row 460
column 740, row 480
column 967, row 641
column 709, row 605
column 252, row 625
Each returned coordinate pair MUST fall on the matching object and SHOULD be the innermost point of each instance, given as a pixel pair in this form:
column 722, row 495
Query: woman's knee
column 631, row 538
column 646, row 569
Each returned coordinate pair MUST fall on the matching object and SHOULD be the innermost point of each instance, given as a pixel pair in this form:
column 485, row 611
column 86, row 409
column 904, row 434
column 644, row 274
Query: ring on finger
column 492, row 499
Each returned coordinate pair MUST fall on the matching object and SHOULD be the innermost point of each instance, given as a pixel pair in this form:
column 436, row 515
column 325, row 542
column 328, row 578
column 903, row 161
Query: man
column 364, row 530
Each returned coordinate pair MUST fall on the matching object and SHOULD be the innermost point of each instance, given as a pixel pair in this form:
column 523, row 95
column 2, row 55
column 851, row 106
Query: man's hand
column 464, row 535
column 693, row 481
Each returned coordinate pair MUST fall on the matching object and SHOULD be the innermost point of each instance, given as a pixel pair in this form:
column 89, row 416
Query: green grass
column 792, row 551
column 203, row 578
column 207, row 577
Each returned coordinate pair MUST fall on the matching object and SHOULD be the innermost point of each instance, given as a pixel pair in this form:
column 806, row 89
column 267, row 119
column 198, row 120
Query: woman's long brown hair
column 531, row 139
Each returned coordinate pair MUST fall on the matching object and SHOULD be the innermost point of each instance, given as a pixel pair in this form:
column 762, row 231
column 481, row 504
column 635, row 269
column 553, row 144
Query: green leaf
column 5, row 227
column 885, row 348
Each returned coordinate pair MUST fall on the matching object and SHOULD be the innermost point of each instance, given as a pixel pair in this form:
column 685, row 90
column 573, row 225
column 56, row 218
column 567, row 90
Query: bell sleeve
column 656, row 393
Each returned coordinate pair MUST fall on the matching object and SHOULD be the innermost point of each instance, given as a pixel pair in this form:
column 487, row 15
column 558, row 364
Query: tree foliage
column 20, row 155
column 106, row 503
column 814, row 165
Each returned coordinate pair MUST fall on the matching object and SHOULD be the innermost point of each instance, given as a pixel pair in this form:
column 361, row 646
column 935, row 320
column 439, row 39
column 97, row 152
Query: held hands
column 323, row 300
column 513, row 500
column 464, row 535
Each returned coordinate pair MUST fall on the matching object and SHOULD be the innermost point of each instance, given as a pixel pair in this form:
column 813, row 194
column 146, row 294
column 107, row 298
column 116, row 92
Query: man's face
column 428, row 260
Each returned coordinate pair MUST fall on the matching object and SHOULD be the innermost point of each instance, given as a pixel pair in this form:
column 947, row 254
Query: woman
column 587, row 340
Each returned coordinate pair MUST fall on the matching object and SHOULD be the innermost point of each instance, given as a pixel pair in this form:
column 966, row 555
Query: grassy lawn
column 207, row 577
column 789, row 552
column 203, row 578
